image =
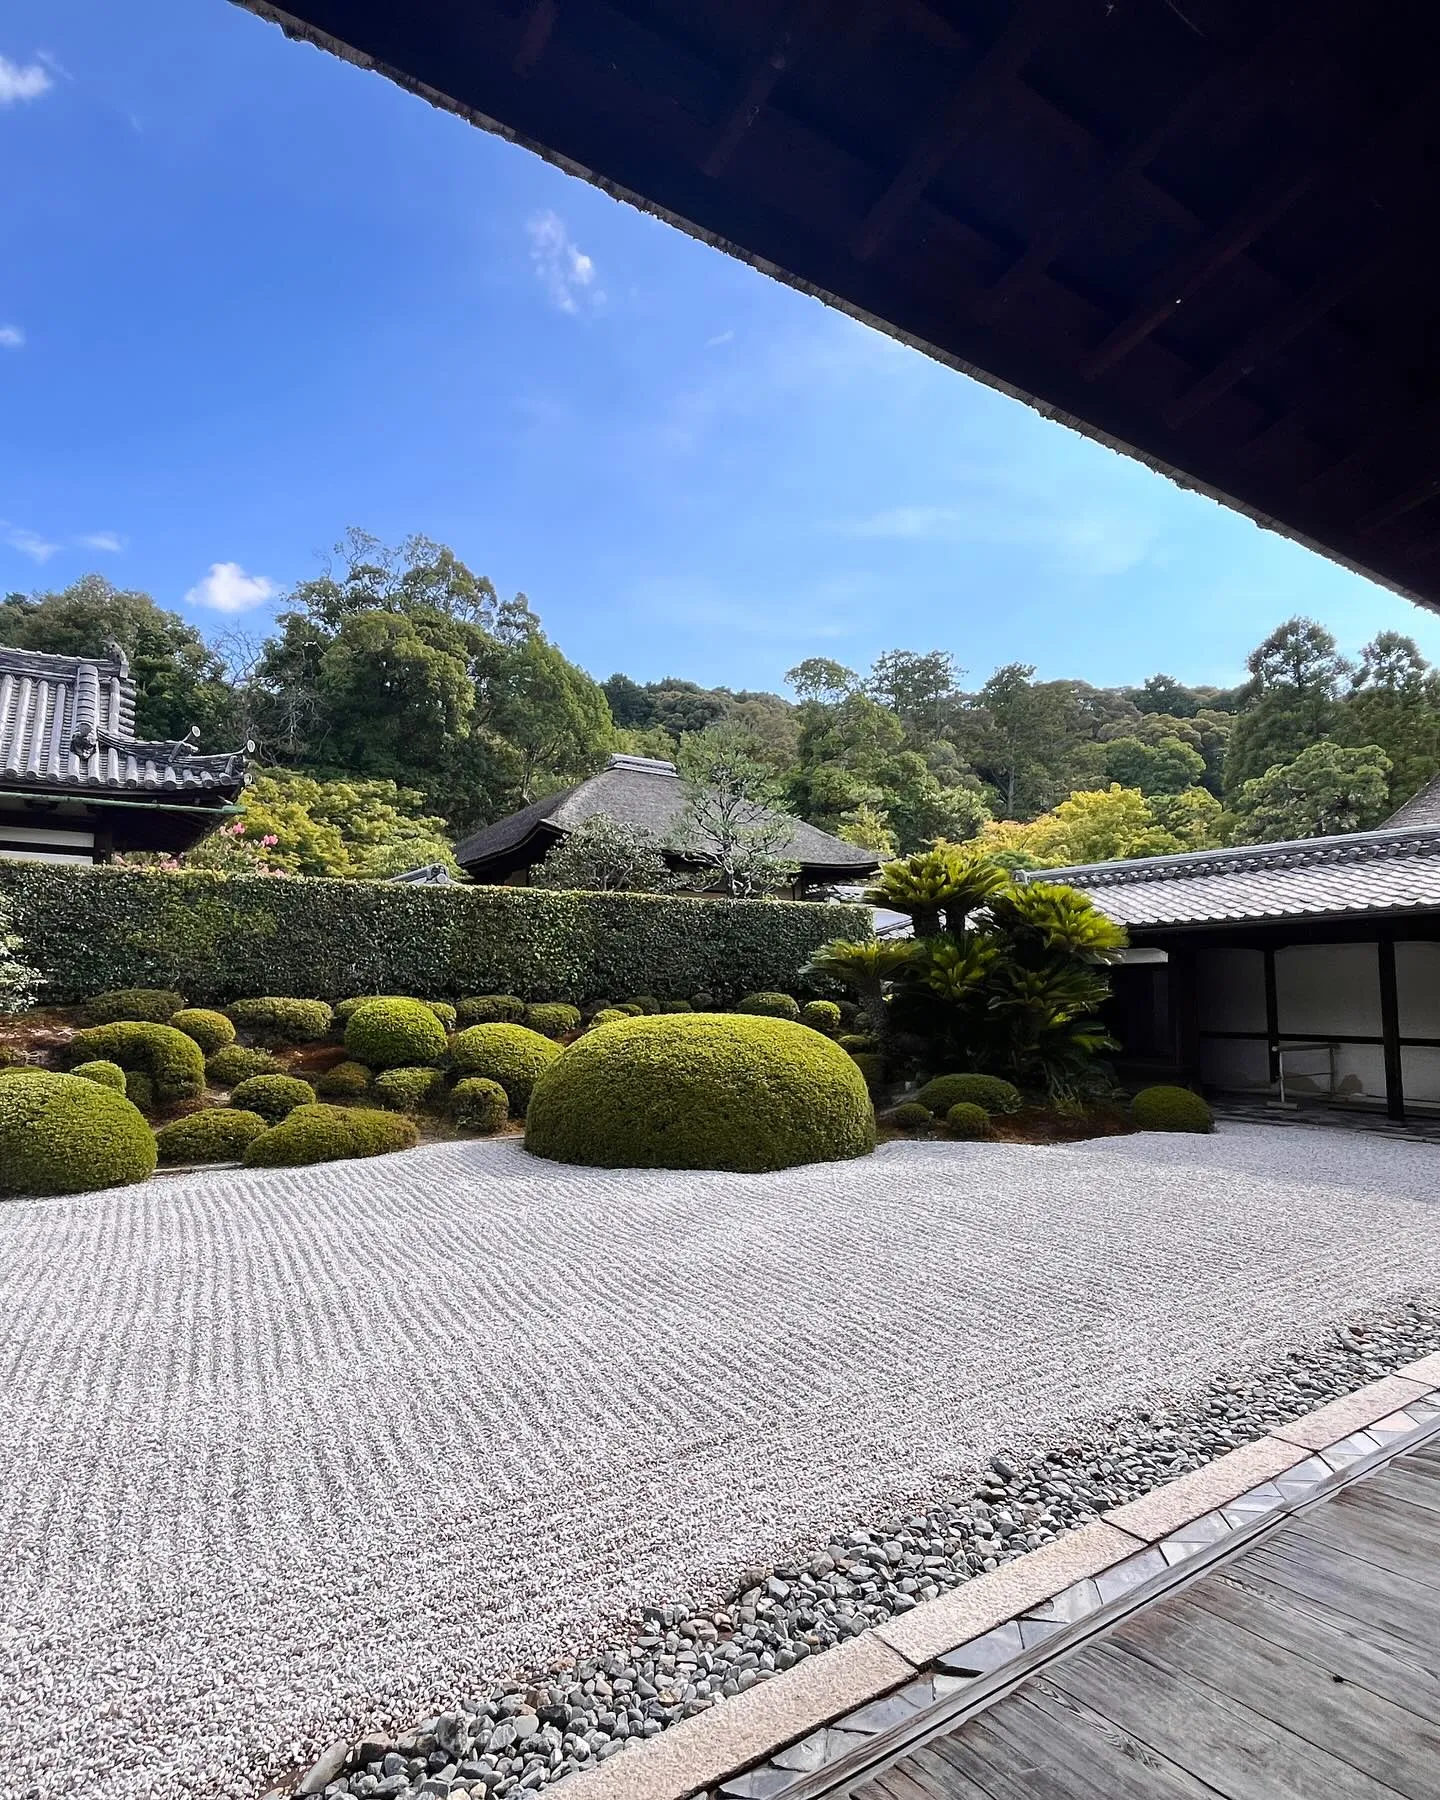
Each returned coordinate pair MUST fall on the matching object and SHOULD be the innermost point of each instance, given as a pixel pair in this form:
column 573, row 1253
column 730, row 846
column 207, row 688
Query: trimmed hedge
column 394, row 1034
column 62, row 1135
column 513, row 1055
column 345, row 1080
column 229, row 1066
column 490, row 1009
column 217, row 1134
column 1166, row 1108
column 968, row 1119
column 277, row 1019
column 821, row 1015
column 479, row 1105
column 553, row 1018
column 272, row 1096
column 219, row 937
column 769, row 1006
column 317, row 1133
column 989, row 1092
column 442, row 1009
column 152, row 1006
column 409, row 1090
column 701, row 1091
column 172, row 1062
column 912, row 1116
column 607, row 1015
column 108, row 1074
column 212, row 1031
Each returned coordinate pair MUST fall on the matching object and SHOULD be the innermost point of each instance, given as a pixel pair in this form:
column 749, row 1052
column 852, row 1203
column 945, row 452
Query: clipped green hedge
column 343, row 1080
column 154, row 1006
column 63, row 1135
column 318, row 1133
column 234, row 1063
column 479, row 1105
column 278, row 1019
column 220, row 937
column 513, row 1055
column 409, row 1090
column 108, row 1074
column 990, row 1092
column 216, row 1134
column 394, row 1034
column 968, row 1119
column 553, row 1018
column 212, row 1031
column 172, row 1063
column 272, row 1096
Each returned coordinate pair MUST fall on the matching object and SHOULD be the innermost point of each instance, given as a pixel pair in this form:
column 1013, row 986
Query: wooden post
column 1272, row 1015
column 1390, row 1029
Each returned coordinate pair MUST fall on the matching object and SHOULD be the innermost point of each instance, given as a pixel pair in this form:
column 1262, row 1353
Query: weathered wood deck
column 1304, row 1668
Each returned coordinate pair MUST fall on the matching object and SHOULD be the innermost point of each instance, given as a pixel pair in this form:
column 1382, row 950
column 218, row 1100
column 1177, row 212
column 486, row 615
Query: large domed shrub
column 63, row 1135
column 513, row 1055
column 707, row 1091
column 277, row 1019
column 987, row 1091
column 216, row 1134
column 394, row 1034
column 272, row 1096
column 212, row 1031
column 152, row 1006
column 318, row 1133
column 173, row 1063
column 1165, row 1108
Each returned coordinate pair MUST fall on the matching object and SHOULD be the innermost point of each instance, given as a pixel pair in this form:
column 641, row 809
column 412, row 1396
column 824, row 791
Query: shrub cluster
column 320, row 1133
column 277, row 1019
column 170, row 1061
column 553, row 1019
column 513, row 1055
column 215, row 1134
column 62, row 1135
column 235, row 1063
column 409, row 1090
column 212, row 1031
column 154, row 1006
column 1167, row 1108
column 394, row 1034
column 479, row 1105
column 986, row 1091
column 272, row 1096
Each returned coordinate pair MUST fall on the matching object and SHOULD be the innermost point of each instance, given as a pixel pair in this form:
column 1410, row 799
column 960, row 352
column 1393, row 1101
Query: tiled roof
column 639, row 790
column 1421, row 809
column 1386, row 871
column 68, row 722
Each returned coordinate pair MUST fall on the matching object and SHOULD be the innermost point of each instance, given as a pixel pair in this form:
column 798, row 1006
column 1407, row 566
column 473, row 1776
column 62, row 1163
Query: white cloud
column 228, row 589
column 721, row 337
column 28, row 543
column 22, row 81
column 565, row 271
column 102, row 540
column 11, row 337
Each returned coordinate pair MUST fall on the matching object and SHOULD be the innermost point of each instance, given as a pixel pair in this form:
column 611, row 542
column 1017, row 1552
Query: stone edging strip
column 903, row 1661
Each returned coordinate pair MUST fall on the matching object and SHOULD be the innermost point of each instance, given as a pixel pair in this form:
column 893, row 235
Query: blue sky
column 252, row 295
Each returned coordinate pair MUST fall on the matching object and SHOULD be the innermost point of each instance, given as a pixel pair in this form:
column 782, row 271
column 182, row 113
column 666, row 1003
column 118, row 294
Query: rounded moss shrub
column 318, row 1133
column 707, row 1091
column 153, row 1006
column 140, row 1090
column 491, row 1009
column 820, row 1015
column 855, row 1040
column 632, row 1009
column 966, row 1119
column 409, row 1090
column 442, row 1009
column 394, row 1034
column 444, row 1012
column 513, row 1055
column 676, row 1006
column 705, row 1001
column 769, row 1006
column 870, row 1063
column 479, row 1105
column 212, row 1031
column 607, row 1015
column 272, row 1096
column 62, row 1135
column 912, row 1116
column 173, row 1062
column 345, row 1081
column 227, row 1068
column 215, row 1134
column 553, row 1019
column 1166, row 1108
column 108, row 1074
column 277, row 1019
column 644, row 1004
column 987, row 1091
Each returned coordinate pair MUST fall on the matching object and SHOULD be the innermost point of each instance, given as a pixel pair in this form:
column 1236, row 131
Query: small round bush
column 966, row 1119
column 394, row 1034
column 769, row 1006
column 855, row 1040
column 272, row 1096
column 513, row 1055
column 491, row 1009
column 235, row 1063
column 632, row 1009
column 820, row 1015
column 871, row 1065
column 1165, row 1108
column 62, row 1135
column 173, row 1062
column 277, row 1019
column 442, row 1009
column 987, row 1091
column 703, row 1091
column 644, row 1003
column 212, row 1031
column 152, row 1006
column 444, row 1012
column 313, row 1134
column 676, row 1006
column 553, row 1019
column 345, row 1081
column 607, row 1015
column 705, row 1001
column 215, row 1134
column 409, row 1090
column 912, row 1116
column 108, row 1074
column 479, row 1105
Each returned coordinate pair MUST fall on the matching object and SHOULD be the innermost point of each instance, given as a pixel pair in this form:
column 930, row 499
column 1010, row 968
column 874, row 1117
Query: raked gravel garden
column 498, row 1462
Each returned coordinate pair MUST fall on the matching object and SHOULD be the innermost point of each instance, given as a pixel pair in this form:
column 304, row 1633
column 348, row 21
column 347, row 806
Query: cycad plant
column 945, row 883
column 864, row 965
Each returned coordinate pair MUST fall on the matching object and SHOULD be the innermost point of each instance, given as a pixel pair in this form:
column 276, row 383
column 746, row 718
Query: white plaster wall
column 1324, row 988
column 1417, row 980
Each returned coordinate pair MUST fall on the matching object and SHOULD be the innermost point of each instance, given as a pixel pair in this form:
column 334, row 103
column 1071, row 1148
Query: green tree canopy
column 1327, row 790
column 1297, row 676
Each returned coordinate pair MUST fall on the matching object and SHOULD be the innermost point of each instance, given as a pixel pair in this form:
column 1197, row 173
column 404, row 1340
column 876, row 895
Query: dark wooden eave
column 1202, row 231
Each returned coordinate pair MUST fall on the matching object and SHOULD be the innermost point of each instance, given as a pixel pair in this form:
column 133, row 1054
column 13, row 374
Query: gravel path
column 290, row 1454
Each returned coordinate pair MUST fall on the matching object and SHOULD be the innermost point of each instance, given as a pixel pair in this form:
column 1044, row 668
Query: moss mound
column 212, row 1031
column 318, row 1133
column 769, row 1006
column 513, row 1055
column 870, row 1063
column 707, row 1091
column 272, row 1096
column 218, row 1134
column 409, row 1090
column 442, row 1009
column 821, row 1015
column 607, row 1015
column 235, row 1063
column 277, row 1019
column 394, row 1034
column 912, row 1116
column 479, row 1105
column 345, row 1081
column 553, row 1018
column 108, row 1074
column 172, row 1063
column 491, row 1009
column 62, row 1135
column 987, row 1091
column 152, row 1006
column 1165, row 1108
column 967, row 1120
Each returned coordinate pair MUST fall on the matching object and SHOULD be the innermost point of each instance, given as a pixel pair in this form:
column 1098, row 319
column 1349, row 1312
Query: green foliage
column 60, row 1135
column 409, row 1090
column 676, row 1006
column 234, row 1063
column 140, row 1090
column 392, row 1034
column 108, row 1074
column 642, row 1003
column 212, row 1031
column 513, row 1055
column 821, row 1015
column 215, row 1134
column 553, row 1018
column 173, row 1062
column 733, row 825
column 277, row 1019
column 605, row 855
column 967, row 1120
column 319, row 1133
column 1325, row 791
column 343, row 1081
column 442, row 1009
column 1165, row 1108
column 347, row 829
column 1100, row 825
column 911, row 1116
column 769, row 1006
column 1166, row 767
column 19, row 983
column 491, row 1009
column 1296, row 677
column 949, row 878
column 1395, row 704
column 871, row 1066
column 856, row 1040
column 479, row 1105
column 701, row 1092
column 987, row 1091
column 156, row 1005
column 608, row 1014
column 272, row 1096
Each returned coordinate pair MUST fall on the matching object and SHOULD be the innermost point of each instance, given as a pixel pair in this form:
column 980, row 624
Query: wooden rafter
column 535, row 29
column 794, row 36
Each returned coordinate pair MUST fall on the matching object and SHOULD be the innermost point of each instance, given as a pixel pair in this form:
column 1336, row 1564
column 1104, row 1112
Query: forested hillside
column 400, row 701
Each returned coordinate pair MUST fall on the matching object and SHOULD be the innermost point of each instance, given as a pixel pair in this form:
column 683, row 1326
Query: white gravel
column 290, row 1454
